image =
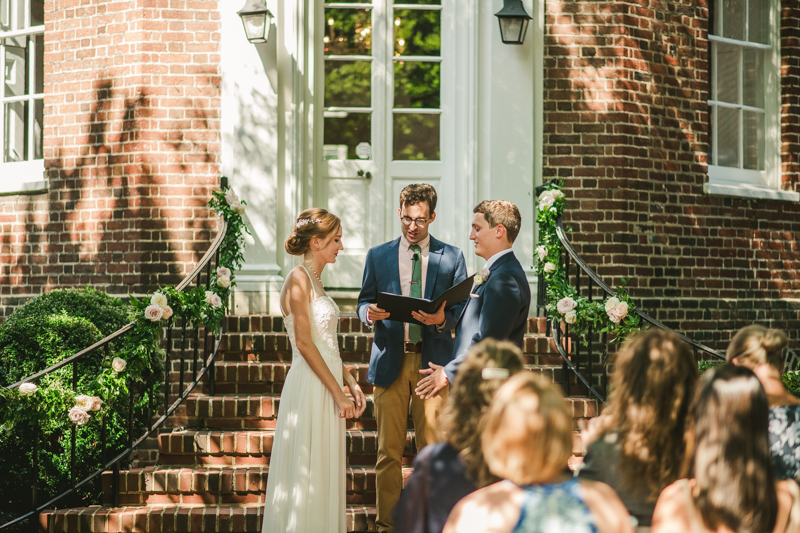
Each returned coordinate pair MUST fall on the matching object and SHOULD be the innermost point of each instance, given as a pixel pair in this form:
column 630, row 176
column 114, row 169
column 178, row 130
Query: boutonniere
column 481, row 276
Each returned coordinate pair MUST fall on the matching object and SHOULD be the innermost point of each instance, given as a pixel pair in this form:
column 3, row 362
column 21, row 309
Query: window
column 744, row 104
column 22, row 99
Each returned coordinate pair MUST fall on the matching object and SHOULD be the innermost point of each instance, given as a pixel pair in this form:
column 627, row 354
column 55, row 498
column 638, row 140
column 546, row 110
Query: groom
column 500, row 299
column 416, row 265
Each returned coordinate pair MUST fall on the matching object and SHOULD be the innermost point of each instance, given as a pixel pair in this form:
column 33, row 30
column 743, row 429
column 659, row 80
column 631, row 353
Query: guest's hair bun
column 311, row 223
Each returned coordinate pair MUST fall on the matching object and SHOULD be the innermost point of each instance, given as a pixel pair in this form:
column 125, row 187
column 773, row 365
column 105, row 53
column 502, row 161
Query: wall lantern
column 513, row 21
column 256, row 19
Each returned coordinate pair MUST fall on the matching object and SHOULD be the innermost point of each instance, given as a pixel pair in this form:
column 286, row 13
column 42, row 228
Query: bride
column 306, row 481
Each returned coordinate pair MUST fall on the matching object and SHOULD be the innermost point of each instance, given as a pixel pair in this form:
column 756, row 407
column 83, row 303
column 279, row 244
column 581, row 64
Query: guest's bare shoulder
column 493, row 509
column 608, row 510
column 672, row 513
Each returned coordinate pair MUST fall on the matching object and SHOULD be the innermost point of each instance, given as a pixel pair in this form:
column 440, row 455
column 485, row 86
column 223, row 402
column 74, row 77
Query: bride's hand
column 360, row 399
column 345, row 405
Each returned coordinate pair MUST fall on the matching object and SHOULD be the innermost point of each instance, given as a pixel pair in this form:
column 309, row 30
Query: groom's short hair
column 501, row 212
column 416, row 193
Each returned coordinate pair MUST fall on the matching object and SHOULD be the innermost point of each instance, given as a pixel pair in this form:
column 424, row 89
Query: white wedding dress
column 306, row 482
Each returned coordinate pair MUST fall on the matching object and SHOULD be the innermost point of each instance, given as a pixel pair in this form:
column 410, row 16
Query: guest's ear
column 433, row 217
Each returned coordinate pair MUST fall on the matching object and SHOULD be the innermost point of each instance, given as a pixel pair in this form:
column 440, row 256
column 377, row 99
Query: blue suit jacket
column 446, row 267
column 500, row 310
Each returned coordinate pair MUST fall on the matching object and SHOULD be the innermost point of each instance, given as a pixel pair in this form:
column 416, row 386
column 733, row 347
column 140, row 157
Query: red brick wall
column 626, row 126
column 131, row 147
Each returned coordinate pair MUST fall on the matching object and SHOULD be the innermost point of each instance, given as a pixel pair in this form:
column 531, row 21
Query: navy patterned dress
column 784, row 440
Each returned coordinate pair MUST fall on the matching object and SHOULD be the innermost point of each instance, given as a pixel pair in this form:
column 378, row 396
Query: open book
column 400, row 307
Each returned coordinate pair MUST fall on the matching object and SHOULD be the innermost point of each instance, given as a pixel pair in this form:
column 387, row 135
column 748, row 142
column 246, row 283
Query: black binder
column 400, row 307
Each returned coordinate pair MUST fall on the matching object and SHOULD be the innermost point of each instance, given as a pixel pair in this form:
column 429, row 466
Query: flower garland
column 137, row 360
column 614, row 316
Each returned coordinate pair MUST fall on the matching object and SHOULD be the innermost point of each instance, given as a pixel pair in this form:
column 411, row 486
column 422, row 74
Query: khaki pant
column 391, row 413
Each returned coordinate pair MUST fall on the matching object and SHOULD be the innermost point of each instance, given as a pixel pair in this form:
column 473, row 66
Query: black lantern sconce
column 257, row 20
column 513, row 22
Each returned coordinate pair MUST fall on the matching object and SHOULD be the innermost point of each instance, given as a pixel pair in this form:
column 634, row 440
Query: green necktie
column 414, row 330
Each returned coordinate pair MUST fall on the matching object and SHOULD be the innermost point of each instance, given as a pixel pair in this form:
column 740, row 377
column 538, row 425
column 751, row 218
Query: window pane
column 12, row 16
column 38, row 43
column 37, row 12
column 416, row 137
column 727, row 73
column 347, row 83
column 15, row 132
column 428, row 2
column 348, row 31
column 712, row 112
column 38, row 128
column 753, row 155
column 16, row 75
column 343, row 132
column 733, row 13
column 728, row 137
column 753, row 78
column 417, row 33
column 757, row 22
column 416, row 84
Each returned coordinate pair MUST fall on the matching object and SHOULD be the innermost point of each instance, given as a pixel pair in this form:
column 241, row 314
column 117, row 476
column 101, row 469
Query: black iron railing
column 178, row 348
column 585, row 366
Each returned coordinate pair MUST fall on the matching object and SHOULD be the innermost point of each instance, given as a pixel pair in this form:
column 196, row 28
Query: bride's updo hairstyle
column 313, row 222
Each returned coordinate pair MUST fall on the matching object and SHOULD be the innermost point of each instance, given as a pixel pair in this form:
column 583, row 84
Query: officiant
column 420, row 266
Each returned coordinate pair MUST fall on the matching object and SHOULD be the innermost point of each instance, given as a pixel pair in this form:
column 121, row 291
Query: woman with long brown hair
column 640, row 447
column 447, row 471
column 731, row 488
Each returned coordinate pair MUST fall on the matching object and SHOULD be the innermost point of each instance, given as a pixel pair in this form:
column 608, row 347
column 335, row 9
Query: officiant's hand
column 436, row 319
column 375, row 313
column 434, row 381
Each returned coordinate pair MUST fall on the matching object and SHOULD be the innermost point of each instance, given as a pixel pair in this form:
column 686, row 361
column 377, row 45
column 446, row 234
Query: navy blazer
column 446, row 267
column 500, row 310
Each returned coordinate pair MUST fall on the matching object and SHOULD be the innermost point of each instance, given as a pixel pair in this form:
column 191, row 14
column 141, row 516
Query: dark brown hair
column 652, row 388
column 732, row 461
column 463, row 415
column 757, row 345
column 501, row 212
column 417, row 193
column 313, row 222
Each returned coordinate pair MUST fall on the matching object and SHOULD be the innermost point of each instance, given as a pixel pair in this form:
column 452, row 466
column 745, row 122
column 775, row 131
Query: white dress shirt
column 492, row 260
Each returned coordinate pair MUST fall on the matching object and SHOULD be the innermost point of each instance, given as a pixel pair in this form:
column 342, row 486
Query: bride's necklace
column 314, row 272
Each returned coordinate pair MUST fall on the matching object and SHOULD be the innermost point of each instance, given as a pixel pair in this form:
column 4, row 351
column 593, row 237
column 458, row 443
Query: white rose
column 223, row 272
column 224, row 282
column 621, row 310
column 97, row 403
column 167, row 312
column 159, row 300
column 209, row 297
column 84, row 402
column 28, row 388
column 546, row 194
column 478, row 279
column 558, row 195
column 549, row 268
column 118, row 364
column 546, row 202
column 541, row 251
column 153, row 313
column 78, row 416
column 216, row 301
column 611, row 303
column 231, row 197
column 238, row 208
column 570, row 317
column 565, row 305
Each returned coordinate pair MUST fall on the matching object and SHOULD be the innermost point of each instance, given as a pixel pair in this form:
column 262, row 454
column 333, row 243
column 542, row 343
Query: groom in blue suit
column 500, row 298
column 417, row 265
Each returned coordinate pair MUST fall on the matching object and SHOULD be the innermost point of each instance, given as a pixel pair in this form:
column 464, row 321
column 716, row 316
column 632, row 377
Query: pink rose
column 541, row 251
column 566, row 304
column 223, row 272
column 216, row 301
column 78, row 416
column 153, row 313
column 97, row 403
column 166, row 312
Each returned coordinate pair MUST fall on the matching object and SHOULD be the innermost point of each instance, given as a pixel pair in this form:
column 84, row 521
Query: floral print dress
column 784, row 440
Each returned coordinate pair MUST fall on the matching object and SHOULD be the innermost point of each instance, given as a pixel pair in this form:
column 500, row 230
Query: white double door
column 392, row 108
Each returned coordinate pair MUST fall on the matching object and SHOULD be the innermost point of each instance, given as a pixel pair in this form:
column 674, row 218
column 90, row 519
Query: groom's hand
column 436, row 319
column 434, row 381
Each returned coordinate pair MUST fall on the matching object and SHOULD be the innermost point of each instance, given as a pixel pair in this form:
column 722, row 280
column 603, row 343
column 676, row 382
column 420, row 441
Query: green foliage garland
column 615, row 315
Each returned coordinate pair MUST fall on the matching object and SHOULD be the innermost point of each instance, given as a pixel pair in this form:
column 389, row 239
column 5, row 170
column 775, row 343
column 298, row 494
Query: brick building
column 675, row 124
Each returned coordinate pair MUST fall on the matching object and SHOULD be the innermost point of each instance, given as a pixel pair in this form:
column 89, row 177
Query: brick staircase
column 208, row 471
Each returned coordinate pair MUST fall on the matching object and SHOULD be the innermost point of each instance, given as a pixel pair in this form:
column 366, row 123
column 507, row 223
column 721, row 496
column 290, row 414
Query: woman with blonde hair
column 763, row 351
column 732, row 487
column 306, row 484
column 527, row 441
column 447, row 471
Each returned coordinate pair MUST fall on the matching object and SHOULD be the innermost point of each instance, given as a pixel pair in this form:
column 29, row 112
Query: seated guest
column 447, row 471
column 732, row 488
column 640, row 446
column 527, row 441
column 763, row 351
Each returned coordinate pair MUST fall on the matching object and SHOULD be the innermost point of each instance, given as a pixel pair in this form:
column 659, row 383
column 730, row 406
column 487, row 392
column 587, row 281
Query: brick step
column 222, row 448
column 177, row 518
column 243, row 485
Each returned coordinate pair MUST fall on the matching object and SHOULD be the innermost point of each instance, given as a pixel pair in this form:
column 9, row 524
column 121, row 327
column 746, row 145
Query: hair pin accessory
column 495, row 373
column 303, row 221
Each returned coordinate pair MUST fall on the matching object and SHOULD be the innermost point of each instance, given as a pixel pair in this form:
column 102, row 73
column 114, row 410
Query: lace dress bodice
column 324, row 326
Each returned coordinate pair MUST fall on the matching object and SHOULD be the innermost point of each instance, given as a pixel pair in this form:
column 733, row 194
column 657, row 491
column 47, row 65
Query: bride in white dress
column 306, row 482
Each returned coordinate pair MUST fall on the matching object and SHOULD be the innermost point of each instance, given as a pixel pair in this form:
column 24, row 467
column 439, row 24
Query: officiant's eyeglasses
column 418, row 221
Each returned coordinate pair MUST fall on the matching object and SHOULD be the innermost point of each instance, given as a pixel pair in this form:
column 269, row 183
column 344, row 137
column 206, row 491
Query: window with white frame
column 744, row 104
column 22, row 98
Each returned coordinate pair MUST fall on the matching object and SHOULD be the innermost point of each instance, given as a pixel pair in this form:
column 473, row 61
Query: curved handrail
column 204, row 263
